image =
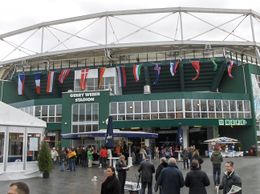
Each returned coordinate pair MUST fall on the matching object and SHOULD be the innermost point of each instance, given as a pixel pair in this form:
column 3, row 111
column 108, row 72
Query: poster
column 34, row 144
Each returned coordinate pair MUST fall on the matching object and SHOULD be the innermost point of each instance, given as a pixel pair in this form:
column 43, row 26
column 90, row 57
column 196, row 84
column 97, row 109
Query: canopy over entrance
column 116, row 133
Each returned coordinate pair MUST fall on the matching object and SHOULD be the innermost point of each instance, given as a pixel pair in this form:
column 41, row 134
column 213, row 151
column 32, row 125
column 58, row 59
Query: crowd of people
column 169, row 178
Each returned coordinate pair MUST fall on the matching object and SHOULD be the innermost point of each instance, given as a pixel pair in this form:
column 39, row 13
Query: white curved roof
column 132, row 31
column 10, row 116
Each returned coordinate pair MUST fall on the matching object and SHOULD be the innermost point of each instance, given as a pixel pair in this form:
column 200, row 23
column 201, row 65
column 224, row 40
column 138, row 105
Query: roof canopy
column 222, row 140
column 11, row 116
column 117, row 133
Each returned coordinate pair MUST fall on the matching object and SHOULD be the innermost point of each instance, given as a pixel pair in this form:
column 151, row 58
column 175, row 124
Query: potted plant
column 44, row 160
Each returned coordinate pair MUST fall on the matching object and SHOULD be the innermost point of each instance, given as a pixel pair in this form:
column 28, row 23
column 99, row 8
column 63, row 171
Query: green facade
column 211, row 85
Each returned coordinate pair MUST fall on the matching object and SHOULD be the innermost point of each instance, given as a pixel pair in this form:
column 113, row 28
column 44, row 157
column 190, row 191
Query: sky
column 15, row 14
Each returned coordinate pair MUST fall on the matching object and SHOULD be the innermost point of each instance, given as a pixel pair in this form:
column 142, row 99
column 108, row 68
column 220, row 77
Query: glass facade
column 85, row 117
column 180, row 109
column 48, row 113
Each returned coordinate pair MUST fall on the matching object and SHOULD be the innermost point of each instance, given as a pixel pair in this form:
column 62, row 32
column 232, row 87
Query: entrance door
column 196, row 137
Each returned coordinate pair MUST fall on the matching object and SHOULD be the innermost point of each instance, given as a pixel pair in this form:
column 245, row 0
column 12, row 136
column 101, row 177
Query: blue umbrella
column 109, row 139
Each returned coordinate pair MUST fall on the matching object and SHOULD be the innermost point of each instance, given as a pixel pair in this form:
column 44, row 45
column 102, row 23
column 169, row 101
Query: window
column 33, row 146
column 15, row 150
column 84, row 117
column 2, row 139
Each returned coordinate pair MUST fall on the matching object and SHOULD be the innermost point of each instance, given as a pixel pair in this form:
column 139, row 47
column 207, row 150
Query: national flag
column 109, row 139
column 230, row 67
column 157, row 69
column 21, row 79
column 50, row 81
column 196, row 66
column 215, row 67
column 137, row 72
column 121, row 76
column 174, row 67
column 63, row 75
column 83, row 77
column 101, row 72
column 37, row 79
column 180, row 136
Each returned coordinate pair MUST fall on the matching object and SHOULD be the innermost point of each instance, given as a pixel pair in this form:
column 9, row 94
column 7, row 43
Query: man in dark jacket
column 146, row 171
column 162, row 165
column 230, row 178
column 171, row 179
column 196, row 179
column 216, row 159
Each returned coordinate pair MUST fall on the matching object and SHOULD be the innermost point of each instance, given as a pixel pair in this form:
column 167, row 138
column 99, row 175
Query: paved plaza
column 80, row 181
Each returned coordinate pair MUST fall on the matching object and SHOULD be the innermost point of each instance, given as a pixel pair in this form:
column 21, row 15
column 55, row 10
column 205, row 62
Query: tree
column 44, row 160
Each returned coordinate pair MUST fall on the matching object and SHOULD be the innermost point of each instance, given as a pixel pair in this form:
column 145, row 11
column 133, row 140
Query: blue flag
column 180, row 136
column 109, row 139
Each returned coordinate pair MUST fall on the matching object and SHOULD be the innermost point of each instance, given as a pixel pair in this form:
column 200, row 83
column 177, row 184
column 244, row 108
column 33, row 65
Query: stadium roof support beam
column 132, row 12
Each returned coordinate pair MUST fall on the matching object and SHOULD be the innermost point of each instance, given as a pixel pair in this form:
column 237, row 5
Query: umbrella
column 222, row 140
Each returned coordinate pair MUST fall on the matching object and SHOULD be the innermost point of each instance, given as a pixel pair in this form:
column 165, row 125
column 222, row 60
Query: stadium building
column 178, row 72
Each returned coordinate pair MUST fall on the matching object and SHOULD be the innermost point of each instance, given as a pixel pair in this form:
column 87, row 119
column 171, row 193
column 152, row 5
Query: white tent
column 20, row 137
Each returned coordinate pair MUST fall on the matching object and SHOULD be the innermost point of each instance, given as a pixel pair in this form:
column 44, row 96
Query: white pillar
column 185, row 130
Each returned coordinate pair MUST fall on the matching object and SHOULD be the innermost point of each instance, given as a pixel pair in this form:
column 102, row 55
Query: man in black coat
column 230, row 178
column 196, row 179
column 162, row 165
column 171, row 179
column 146, row 171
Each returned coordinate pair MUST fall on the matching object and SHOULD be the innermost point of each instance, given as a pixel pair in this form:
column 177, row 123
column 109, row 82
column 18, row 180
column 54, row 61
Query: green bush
column 44, row 158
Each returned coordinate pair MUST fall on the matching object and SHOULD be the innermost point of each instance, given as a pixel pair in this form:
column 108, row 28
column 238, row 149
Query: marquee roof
column 10, row 116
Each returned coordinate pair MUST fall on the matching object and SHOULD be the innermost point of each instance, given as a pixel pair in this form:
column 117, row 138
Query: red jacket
column 103, row 153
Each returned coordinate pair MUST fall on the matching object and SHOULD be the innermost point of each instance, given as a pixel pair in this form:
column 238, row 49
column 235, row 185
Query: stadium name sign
column 85, row 97
column 232, row 122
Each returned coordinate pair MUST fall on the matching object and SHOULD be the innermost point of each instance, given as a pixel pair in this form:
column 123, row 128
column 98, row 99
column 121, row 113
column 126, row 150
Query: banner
column 37, row 80
column 109, row 139
column 50, row 81
column 21, row 79
column 63, row 75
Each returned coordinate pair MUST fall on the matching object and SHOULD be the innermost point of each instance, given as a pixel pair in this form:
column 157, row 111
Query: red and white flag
column 37, row 79
column 83, row 77
column 50, row 82
column 63, row 75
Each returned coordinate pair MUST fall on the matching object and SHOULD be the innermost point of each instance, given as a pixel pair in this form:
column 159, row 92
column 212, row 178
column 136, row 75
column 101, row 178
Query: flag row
column 120, row 71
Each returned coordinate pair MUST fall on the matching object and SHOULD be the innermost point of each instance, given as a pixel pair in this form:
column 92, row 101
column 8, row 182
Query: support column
column 185, row 130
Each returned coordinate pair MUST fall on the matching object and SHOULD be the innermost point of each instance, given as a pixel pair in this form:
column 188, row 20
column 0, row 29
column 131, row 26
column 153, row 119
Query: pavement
column 80, row 181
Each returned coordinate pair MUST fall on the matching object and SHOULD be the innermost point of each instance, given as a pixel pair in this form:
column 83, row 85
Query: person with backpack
column 216, row 159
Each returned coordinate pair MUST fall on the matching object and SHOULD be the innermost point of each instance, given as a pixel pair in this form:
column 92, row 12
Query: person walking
column 146, row 171
column 90, row 156
column 161, row 166
column 230, row 179
column 103, row 154
column 185, row 158
column 171, row 179
column 196, row 156
column 216, row 159
column 196, row 179
column 111, row 184
column 121, row 169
